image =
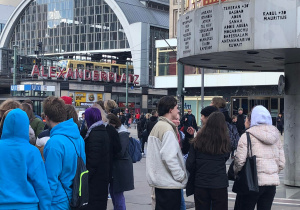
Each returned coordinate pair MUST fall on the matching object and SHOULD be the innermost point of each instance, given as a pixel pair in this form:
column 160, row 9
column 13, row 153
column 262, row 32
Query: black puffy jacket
column 206, row 171
column 150, row 124
column 97, row 149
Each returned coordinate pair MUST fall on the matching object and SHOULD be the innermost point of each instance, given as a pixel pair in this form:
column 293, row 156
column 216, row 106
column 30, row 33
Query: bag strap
column 58, row 176
column 249, row 146
column 72, row 143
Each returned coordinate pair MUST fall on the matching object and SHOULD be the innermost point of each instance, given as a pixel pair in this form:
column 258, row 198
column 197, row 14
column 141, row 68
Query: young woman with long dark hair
column 206, row 164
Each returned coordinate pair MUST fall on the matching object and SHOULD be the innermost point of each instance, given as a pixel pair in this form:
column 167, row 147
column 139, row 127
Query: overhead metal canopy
column 245, row 35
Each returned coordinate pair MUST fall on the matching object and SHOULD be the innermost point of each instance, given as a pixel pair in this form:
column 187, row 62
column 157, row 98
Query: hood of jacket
column 122, row 129
column 16, row 126
column 260, row 115
column 267, row 134
column 67, row 128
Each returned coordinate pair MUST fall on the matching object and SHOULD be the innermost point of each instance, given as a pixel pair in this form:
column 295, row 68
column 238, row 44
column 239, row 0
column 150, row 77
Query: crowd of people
column 204, row 173
column 41, row 154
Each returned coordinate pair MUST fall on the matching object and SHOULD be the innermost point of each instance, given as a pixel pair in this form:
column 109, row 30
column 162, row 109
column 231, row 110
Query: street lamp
column 15, row 64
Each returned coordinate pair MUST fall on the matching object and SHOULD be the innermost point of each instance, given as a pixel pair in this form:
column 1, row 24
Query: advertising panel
column 86, row 99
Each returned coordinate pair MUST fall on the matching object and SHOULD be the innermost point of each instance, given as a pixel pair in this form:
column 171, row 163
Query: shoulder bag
column 246, row 180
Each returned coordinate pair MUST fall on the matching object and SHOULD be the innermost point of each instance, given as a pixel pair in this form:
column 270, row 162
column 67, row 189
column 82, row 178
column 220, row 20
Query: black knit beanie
column 208, row 110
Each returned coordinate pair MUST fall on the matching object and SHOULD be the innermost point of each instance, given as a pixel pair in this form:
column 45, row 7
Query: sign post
column 126, row 84
column 15, row 64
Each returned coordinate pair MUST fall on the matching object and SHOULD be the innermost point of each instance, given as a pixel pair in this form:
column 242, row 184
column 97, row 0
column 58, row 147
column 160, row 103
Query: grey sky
column 10, row 2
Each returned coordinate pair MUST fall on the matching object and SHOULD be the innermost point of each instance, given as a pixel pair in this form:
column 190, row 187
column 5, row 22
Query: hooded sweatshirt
column 61, row 159
column 23, row 180
column 266, row 146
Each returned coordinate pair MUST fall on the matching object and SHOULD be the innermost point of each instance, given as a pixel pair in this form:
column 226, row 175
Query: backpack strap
column 58, row 176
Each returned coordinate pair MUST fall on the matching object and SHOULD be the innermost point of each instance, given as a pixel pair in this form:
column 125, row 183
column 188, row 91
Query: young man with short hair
column 165, row 168
column 59, row 152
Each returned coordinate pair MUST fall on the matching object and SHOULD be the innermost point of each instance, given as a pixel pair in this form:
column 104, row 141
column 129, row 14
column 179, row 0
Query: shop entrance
column 274, row 104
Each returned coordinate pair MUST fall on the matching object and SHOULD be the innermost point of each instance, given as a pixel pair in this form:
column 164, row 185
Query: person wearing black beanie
column 205, row 112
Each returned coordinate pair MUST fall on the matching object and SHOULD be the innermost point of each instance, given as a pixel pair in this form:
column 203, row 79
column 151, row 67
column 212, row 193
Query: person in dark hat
column 205, row 112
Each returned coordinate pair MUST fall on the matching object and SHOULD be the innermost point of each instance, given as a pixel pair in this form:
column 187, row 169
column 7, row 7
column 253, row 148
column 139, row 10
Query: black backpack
column 233, row 135
column 80, row 187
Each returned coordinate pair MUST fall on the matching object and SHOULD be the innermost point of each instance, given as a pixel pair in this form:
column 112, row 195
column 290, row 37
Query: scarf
column 93, row 126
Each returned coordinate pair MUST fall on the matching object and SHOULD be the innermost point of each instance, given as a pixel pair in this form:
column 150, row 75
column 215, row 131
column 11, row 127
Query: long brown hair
column 27, row 108
column 213, row 137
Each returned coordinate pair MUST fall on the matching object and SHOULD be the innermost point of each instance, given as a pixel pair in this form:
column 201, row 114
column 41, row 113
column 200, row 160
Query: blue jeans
column 182, row 205
column 117, row 198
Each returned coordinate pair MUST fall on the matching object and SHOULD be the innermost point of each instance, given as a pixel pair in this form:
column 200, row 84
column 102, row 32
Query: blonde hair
column 110, row 105
column 103, row 113
column 148, row 115
column 219, row 102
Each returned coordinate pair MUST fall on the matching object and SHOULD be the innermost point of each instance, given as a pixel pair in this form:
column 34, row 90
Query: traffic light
column 40, row 47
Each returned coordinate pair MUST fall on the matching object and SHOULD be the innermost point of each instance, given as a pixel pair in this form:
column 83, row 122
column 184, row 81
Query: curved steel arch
column 11, row 23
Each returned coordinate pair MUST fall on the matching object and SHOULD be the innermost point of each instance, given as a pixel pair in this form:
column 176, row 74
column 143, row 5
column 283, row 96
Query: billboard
column 87, row 99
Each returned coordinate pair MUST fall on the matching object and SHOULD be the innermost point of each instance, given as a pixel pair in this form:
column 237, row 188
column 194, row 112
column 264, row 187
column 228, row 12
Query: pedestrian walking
column 97, row 149
column 127, row 118
column 60, row 152
column 206, row 164
column 267, row 147
column 122, row 167
column 280, row 123
column 23, row 183
column 240, row 123
column 165, row 169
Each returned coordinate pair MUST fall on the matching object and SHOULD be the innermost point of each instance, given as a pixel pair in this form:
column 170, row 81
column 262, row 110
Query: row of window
column 75, row 28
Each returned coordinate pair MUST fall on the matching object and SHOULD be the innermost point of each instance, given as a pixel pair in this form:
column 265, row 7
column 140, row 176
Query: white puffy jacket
column 165, row 167
column 267, row 146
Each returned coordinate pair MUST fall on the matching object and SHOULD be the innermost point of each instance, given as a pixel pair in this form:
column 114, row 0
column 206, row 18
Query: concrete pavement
column 287, row 198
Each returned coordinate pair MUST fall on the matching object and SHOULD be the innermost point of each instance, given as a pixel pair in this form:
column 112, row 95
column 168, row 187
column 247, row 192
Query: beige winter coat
column 267, row 146
column 165, row 167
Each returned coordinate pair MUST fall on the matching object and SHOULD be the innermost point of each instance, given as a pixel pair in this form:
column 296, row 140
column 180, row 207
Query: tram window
column 71, row 65
column 122, row 70
column 115, row 69
column 89, row 66
column 80, row 66
column 106, row 68
column 98, row 68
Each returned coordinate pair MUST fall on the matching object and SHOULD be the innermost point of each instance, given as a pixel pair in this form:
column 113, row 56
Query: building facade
column 46, row 32
column 240, row 88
